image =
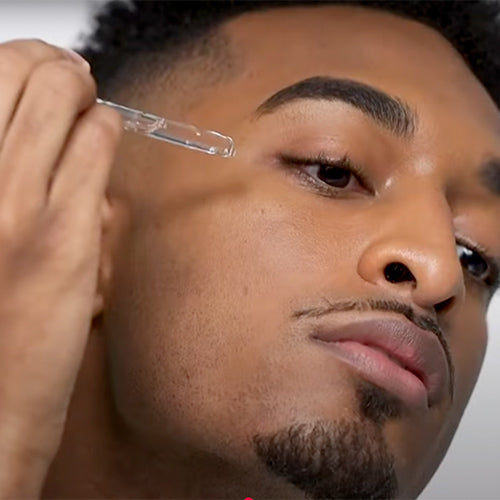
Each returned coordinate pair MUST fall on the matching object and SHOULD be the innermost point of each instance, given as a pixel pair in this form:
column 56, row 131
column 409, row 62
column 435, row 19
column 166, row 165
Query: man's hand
column 56, row 150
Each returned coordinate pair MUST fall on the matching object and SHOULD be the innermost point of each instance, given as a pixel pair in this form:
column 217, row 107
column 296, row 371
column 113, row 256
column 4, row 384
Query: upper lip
column 417, row 350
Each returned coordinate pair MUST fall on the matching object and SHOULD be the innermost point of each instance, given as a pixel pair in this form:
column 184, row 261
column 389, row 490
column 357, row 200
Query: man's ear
column 111, row 226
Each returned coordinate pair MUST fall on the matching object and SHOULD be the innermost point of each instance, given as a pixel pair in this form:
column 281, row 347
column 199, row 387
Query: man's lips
column 394, row 354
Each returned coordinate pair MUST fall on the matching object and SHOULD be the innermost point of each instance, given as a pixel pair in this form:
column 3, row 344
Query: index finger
column 18, row 58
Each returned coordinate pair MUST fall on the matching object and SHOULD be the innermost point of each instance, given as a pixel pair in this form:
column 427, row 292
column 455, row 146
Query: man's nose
column 413, row 252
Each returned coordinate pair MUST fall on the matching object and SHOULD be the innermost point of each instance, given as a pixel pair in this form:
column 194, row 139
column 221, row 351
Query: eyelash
column 492, row 281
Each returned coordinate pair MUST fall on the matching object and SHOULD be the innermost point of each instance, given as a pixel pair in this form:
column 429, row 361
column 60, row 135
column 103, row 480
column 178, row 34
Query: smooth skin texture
column 194, row 347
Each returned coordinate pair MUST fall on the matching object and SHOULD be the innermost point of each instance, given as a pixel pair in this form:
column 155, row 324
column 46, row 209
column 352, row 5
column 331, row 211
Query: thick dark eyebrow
column 390, row 112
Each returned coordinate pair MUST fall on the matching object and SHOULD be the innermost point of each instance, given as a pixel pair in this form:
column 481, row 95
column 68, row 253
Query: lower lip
column 376, row 367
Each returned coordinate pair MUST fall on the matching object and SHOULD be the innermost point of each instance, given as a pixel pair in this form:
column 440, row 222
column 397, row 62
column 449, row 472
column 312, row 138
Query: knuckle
column 30, row 50
column 12, row 64
column 63, row 80
column 28, row 46
column 18, row 58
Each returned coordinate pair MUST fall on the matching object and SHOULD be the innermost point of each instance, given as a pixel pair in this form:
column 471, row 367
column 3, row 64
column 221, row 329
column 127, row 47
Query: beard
column 344, row 459
column 377, row 405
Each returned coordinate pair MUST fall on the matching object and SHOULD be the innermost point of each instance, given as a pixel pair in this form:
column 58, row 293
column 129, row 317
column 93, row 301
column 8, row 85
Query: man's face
column 231, row 270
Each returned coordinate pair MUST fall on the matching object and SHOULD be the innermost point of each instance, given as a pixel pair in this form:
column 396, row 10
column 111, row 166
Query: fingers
column 56, row 144
column 54, row 96
column 18, row 58
column 43, row 97
column 83, row 172
column 56, row 150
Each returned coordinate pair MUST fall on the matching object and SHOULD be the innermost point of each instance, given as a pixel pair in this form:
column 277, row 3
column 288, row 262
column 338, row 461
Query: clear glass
column 182, row 134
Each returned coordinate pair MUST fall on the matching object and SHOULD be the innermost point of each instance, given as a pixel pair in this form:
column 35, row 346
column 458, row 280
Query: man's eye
column 329, row 176
column 333, row 175
column 473, row 262
column 478, row 264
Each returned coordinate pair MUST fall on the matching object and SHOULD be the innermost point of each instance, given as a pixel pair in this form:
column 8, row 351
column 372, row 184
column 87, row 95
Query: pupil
column 335, row 176
column 473, row 262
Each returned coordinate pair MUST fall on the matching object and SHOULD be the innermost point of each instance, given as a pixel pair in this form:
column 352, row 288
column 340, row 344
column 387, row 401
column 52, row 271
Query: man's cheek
column 266, row 240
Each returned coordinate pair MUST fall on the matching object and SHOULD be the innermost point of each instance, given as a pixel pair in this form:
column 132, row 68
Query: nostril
column 396, row 272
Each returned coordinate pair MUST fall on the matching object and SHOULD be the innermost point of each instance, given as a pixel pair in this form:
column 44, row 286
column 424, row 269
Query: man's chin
column 330, row 460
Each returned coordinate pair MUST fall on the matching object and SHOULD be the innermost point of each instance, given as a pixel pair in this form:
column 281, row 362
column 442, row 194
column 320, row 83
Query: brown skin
column 50, row 228
column 204, row 260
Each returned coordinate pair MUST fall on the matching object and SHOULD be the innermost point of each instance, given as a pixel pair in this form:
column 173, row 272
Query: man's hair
column 134, row 40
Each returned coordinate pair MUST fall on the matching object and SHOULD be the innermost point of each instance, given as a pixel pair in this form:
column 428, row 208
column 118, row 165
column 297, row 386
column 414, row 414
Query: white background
column 471, row 469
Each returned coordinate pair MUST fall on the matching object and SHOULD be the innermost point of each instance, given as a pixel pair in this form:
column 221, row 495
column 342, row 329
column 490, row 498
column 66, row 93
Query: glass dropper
column 182, row 134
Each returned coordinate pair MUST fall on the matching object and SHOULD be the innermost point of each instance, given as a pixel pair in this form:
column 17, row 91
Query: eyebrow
column 390, row 112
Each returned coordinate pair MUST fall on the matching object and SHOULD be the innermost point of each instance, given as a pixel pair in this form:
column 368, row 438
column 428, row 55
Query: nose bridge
column 425, row 211
column 417, row 231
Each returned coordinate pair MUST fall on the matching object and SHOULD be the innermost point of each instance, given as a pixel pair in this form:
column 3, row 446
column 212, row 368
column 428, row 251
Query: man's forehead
column 276, row 49
column 333, row 30
column 366, row 44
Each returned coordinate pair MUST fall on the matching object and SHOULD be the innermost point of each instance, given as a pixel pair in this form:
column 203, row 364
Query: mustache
column 425, row 322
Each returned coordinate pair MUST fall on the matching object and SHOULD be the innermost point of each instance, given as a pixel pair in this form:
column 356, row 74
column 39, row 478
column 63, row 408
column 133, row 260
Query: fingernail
column 75, row 56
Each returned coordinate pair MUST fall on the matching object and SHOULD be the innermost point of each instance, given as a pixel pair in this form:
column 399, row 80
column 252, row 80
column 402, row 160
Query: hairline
column 213, row 56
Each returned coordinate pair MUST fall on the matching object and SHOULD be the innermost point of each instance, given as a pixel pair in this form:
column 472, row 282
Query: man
column 304, row 320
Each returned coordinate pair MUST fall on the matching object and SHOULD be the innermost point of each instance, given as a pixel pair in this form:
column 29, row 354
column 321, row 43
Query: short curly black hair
column 141, row 36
